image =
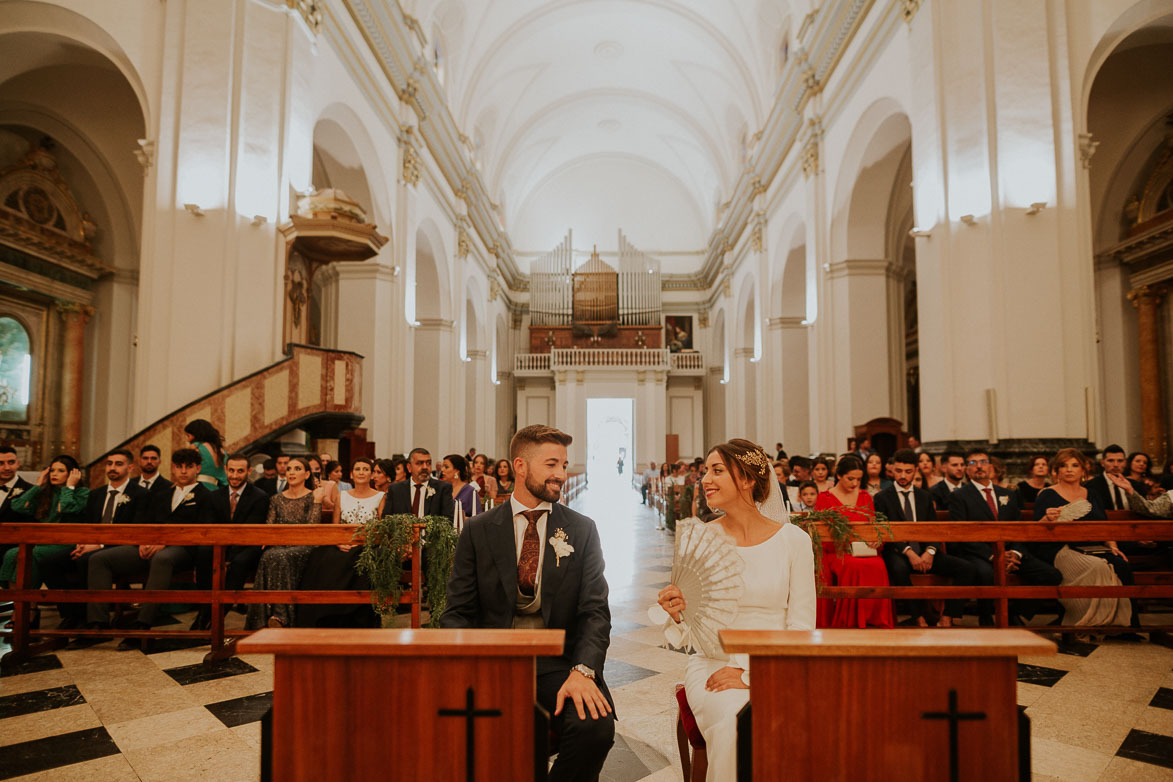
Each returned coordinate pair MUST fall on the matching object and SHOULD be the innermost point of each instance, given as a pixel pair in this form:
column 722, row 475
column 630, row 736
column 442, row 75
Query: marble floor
column 1099, row 711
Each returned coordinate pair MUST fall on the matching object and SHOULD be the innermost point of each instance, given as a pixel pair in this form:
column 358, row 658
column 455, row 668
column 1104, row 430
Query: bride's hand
column 728, row 678
column 672, row 601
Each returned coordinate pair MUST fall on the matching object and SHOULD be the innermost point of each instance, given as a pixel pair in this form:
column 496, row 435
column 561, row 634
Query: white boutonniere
column 429, row 492
column 122, row 500
column 562, row 547
column 16, row 492
column 1003, row 500
column 188, row 499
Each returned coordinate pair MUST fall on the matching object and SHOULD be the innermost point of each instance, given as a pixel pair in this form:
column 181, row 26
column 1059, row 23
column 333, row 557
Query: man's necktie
column 527, row 563
column 1116, row 495
column 415, row 499
column 108, row 511
column 907, row 507
column 144, row 483
column 281, row 484
column 990, row 502
column 233, row 498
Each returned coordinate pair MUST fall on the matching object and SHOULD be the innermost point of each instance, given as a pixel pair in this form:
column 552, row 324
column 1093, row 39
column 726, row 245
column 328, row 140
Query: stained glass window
column 15, row 371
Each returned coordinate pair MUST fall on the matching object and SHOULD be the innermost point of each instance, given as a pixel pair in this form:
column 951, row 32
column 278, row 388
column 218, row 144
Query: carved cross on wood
column 954, row 716
column 470, row 713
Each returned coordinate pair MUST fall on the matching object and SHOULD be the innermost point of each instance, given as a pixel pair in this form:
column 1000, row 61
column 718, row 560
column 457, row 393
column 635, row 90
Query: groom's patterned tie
column 527, row 563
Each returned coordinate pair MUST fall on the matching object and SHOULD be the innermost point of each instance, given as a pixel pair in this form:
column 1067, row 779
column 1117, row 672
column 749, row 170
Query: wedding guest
column 504, row 475
column 808, row 496
column 188, row 502
column 953, row 467
column 206, row 439
column 382, row 475
column 11, row 487
column 454, row 470
column 329, row 488
column 149, row 458
column 400, row 470
column 1037, row 471
column 1139, row 470
column 280, row 567
column 1069, row 468
column 421, row 495
column 926, row 469
column 821, row 474
column 914, row 445
column 115, row 503
column 876, row 482
column 777, row 567
column 268, row 469
column 800, row 470
column 277, row 483
column 847, row 569
column 56, row 498
column 980, row 499
column 333, row 473
column 485, row 482
column 333, row 567
column 903, row 502
column 240, row 502
column 998, row 468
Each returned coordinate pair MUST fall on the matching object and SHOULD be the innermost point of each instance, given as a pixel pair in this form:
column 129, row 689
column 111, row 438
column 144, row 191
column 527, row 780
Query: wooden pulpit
column 361, row 704
column 909, row 704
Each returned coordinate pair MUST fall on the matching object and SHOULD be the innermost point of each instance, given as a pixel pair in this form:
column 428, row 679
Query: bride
column 779, row 578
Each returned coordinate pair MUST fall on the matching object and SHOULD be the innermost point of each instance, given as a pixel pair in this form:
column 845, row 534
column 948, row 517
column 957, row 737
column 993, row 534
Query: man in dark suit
column 188, row 502
column 115, row 503
column 277, row 483
column 150, row 479
column 421, row 495
column 903, row 501
column 981, row 500
column 508, row 573
column 240, row 502
column 11, row 487
column 1099, row 488
column 954, row 464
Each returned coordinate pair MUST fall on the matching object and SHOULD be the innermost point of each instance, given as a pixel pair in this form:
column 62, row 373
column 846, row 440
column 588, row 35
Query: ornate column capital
column 74, row 313
column 1147, row 295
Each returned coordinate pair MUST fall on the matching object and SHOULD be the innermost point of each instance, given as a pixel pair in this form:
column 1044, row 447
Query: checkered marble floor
column 1099, row 711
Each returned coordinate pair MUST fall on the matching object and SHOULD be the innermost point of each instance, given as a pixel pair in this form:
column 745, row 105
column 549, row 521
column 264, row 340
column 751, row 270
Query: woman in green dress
column 57, row 498
column 206, row 439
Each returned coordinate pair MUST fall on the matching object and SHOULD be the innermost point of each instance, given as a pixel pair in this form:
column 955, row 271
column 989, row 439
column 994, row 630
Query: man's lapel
column 552, row 571
column 504, row 547
column 982, row 506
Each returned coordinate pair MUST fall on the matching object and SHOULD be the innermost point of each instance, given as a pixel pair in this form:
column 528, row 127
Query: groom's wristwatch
column 585, row 671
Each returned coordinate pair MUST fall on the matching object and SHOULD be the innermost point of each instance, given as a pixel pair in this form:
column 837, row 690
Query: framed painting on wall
column 678, row 332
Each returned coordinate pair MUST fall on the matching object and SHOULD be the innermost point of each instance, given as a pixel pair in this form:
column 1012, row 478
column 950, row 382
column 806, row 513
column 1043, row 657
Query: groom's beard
column 548, row 491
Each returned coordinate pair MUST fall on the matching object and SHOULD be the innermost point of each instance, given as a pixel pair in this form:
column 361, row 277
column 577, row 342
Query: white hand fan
column 707, row 570
column 1074, row 510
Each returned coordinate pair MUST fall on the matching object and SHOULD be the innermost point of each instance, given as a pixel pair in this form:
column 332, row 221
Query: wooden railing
column 617, row 358
column 219, row 537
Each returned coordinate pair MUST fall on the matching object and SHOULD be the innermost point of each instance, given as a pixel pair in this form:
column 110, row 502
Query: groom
column 533, row 563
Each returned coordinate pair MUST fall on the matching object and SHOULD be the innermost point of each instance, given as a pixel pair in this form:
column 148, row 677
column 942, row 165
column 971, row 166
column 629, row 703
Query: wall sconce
column 194, row 209
column 1036, row 207
column 259, row 220
column 968, row 220
column 920, row 233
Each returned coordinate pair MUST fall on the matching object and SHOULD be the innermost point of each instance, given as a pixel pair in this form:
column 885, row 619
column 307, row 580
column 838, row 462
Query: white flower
column 1003, row 500
column 122, row 500
column 16, row 492
column 429, row 492
column 562, row 547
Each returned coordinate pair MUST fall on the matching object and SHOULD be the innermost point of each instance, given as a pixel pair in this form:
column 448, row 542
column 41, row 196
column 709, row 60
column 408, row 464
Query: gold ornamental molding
column 909, row 9
column 311, row 13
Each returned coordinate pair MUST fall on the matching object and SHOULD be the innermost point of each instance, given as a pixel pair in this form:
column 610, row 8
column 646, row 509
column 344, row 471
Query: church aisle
column 1099, row 711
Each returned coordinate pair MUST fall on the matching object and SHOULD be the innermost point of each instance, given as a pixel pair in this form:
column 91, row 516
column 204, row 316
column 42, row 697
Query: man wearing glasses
column 981, row 500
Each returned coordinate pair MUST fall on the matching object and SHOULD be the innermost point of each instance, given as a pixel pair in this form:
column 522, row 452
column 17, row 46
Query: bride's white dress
column 779, row 578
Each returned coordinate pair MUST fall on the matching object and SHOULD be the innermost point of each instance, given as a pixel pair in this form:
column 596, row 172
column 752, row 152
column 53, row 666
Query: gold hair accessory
column 756, row 459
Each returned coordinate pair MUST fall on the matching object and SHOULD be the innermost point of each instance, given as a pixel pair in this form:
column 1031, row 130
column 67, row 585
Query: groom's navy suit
column 482, row 593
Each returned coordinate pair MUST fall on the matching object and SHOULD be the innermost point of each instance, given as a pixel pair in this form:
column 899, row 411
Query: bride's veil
column 773, row 507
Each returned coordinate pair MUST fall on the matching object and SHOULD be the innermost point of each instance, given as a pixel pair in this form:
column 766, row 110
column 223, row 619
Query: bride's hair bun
column 747, row 460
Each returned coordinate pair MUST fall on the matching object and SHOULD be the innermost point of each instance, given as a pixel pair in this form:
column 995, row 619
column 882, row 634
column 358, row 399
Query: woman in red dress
column 845, row 569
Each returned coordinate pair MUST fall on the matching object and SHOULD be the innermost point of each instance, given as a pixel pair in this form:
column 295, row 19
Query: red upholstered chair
column 689, row 735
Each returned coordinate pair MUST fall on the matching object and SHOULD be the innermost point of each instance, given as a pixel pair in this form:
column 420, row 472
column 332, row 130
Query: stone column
column 791, row 336
column 75, row 316
column 1147, row 299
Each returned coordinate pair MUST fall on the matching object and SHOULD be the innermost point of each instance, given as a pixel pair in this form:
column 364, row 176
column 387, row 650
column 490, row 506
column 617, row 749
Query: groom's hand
column 584, row 692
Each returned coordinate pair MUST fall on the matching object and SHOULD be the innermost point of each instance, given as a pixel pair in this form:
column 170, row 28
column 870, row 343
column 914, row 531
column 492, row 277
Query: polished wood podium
column 361, row 704
column 911, row 704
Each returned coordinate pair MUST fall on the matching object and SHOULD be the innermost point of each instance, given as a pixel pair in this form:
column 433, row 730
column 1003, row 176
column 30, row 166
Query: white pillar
column 789, row 337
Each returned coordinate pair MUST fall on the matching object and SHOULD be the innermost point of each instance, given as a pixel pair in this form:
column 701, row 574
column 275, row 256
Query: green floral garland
column 840, row 526
column 440, row 541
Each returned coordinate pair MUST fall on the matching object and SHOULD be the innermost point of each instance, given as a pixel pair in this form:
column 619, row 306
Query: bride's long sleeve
column 800, row 613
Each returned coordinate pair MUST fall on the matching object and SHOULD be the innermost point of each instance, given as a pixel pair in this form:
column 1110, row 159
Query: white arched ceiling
column 550, row 90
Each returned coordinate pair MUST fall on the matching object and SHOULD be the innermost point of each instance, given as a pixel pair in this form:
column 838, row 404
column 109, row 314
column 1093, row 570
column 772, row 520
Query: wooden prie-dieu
column 392, row 705
column 918, row 705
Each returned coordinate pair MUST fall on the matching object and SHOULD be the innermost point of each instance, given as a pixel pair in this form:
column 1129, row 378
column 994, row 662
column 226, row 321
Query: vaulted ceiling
column 555, row 91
